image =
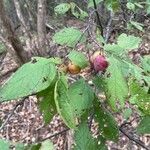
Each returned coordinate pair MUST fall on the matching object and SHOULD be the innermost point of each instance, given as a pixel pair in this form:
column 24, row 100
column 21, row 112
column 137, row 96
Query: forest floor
column 22, row 122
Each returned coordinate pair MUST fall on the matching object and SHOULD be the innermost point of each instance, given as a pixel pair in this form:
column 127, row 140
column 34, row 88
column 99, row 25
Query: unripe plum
column 100, row 63
column 73, row 69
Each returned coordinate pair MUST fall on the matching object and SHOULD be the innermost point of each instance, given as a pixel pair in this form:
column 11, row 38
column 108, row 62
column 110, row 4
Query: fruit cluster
column 97, row 60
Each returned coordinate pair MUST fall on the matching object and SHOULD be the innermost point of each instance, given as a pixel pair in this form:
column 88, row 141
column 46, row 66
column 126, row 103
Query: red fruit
column 100, row 63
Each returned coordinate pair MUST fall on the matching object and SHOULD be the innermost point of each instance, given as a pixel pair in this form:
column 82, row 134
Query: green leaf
column 127, row 113
column 63, row 105
column 69, row 37
column 91, row 4
column 125, row 67
column 112, row 5
column 47, row 145
column 128, row 42
column 83, row 14
column 20, row 146
column 144, row 126
column 62, row 8
column 124, row 44
column 47, row 104
column 78, row 59
column 29, row 79
column 116, row 86
column 141, row 96
column 148, row 6
column 130, row 6
column 99, row 37
column 35, row 146
column 113, row 48
column 102, row 145
column 147, row 80
column 81, row 96
column 55, row 60
column 137, row 72
column 146, row 63
column 137, row 25
column 74, row 10
column 107, row 125
column 99, row 82
column 83, row 138
column 4, row 144
column 132, row 100
column 139, row 5
column 77, row 11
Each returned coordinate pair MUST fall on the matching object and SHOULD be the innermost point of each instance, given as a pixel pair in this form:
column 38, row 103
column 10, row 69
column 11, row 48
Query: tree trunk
column 21, row 18
column 41, row 27
column 11, row 36
column 32, row 15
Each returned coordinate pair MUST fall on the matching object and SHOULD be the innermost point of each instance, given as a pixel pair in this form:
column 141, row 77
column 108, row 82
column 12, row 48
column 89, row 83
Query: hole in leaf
column 34, row 61
column 44, row 79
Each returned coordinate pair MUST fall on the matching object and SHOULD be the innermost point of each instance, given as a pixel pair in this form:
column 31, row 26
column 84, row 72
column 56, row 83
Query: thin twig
column 56, row 134
column 84, row 31
column 130, row 122
column 90, row 34
column 98, row 18
column 130, row 137
column 108, row 27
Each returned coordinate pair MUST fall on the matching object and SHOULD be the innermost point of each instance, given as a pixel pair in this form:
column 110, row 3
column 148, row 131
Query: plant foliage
column 76, row 100
column 69, row 37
